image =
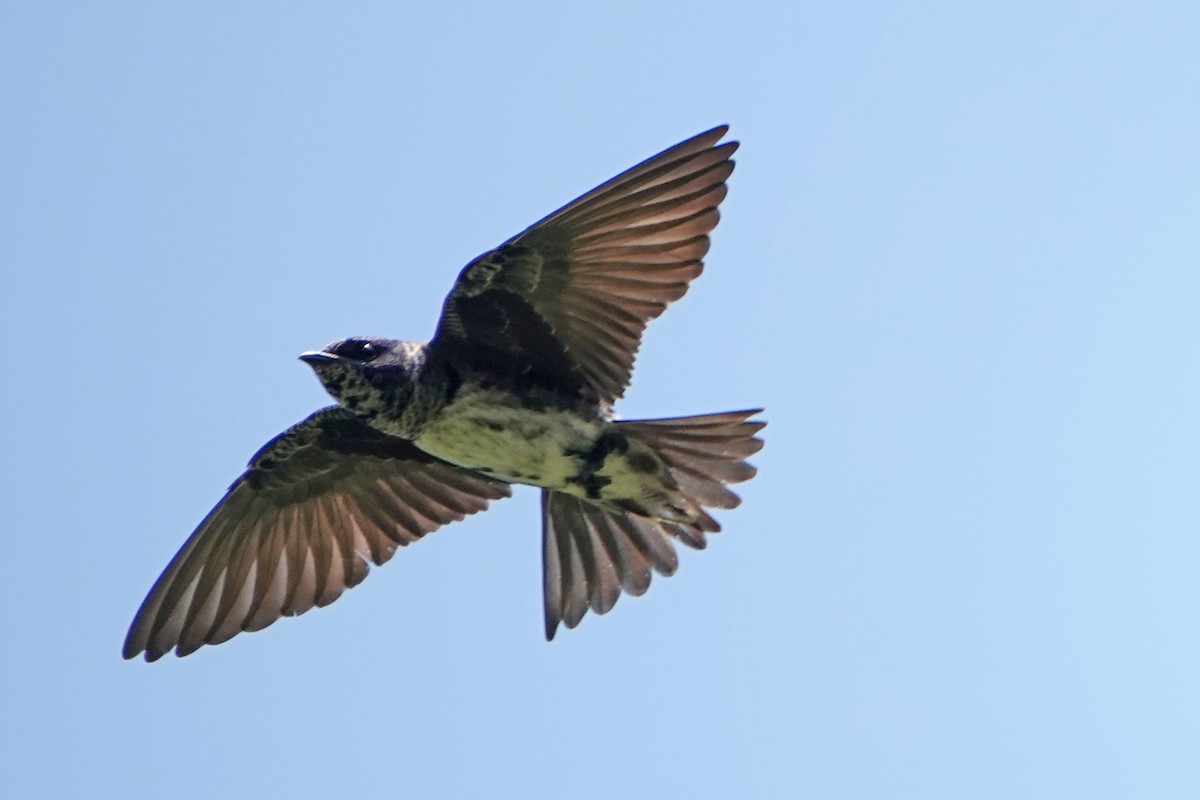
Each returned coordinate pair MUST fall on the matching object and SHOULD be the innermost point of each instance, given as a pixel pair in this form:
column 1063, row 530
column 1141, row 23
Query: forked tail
column 590, row 552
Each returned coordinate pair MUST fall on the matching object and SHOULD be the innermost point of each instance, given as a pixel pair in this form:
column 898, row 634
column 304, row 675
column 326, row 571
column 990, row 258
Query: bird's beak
column 315, row 358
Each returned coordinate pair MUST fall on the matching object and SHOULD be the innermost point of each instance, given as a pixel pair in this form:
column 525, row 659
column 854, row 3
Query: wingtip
column 710, row 138
column 138, row 643
column 131, row 654
column 131, row 648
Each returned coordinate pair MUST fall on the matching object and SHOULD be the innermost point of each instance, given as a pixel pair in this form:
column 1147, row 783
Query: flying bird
column 535, row 343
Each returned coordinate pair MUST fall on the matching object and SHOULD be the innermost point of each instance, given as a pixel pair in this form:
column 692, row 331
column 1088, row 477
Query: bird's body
column 492, row 424
column 535, row 343
column 562, row 449
column 507, row 437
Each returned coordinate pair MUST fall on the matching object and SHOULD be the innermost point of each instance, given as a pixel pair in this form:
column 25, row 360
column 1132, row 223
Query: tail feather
column 704, row 453
column 591, row 553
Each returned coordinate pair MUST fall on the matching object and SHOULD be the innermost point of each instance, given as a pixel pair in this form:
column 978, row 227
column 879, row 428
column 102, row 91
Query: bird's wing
column 567, row 299
column 298, row 527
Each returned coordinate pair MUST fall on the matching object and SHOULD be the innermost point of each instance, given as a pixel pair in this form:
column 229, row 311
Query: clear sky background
column 959, row 264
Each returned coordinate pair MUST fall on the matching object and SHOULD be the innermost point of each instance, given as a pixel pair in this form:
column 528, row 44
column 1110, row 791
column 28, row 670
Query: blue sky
column 959, row 265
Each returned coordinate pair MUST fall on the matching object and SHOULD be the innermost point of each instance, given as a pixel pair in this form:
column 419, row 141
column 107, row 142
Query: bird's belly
column 491, row 431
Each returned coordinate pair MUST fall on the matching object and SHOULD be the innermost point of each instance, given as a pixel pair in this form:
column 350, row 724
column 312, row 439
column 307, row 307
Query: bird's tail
column 590, row 552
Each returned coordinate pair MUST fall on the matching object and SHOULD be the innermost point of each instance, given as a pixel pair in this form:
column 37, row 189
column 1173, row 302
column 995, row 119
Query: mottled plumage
column 536, row 341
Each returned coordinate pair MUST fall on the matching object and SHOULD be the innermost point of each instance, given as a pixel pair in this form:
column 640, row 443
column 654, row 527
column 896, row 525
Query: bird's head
column 365, row 373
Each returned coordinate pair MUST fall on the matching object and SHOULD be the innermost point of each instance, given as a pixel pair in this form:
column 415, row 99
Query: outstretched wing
column 298, row 527
column 567, row 299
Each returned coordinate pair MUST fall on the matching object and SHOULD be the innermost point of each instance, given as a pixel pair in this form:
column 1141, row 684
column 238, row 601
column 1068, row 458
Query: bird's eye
column 366, row 351
column 358, row 350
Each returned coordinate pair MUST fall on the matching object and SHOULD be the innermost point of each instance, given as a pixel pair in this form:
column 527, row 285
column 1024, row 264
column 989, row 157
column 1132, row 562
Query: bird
column 535, row 343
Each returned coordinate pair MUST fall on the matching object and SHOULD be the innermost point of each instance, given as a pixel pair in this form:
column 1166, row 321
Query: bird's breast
column 495, row 432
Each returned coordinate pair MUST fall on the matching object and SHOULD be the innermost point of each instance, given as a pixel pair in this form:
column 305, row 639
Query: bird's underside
column 537, row 339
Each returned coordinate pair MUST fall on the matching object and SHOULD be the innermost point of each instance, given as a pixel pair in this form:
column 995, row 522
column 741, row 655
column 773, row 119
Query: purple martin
column 535, row 343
